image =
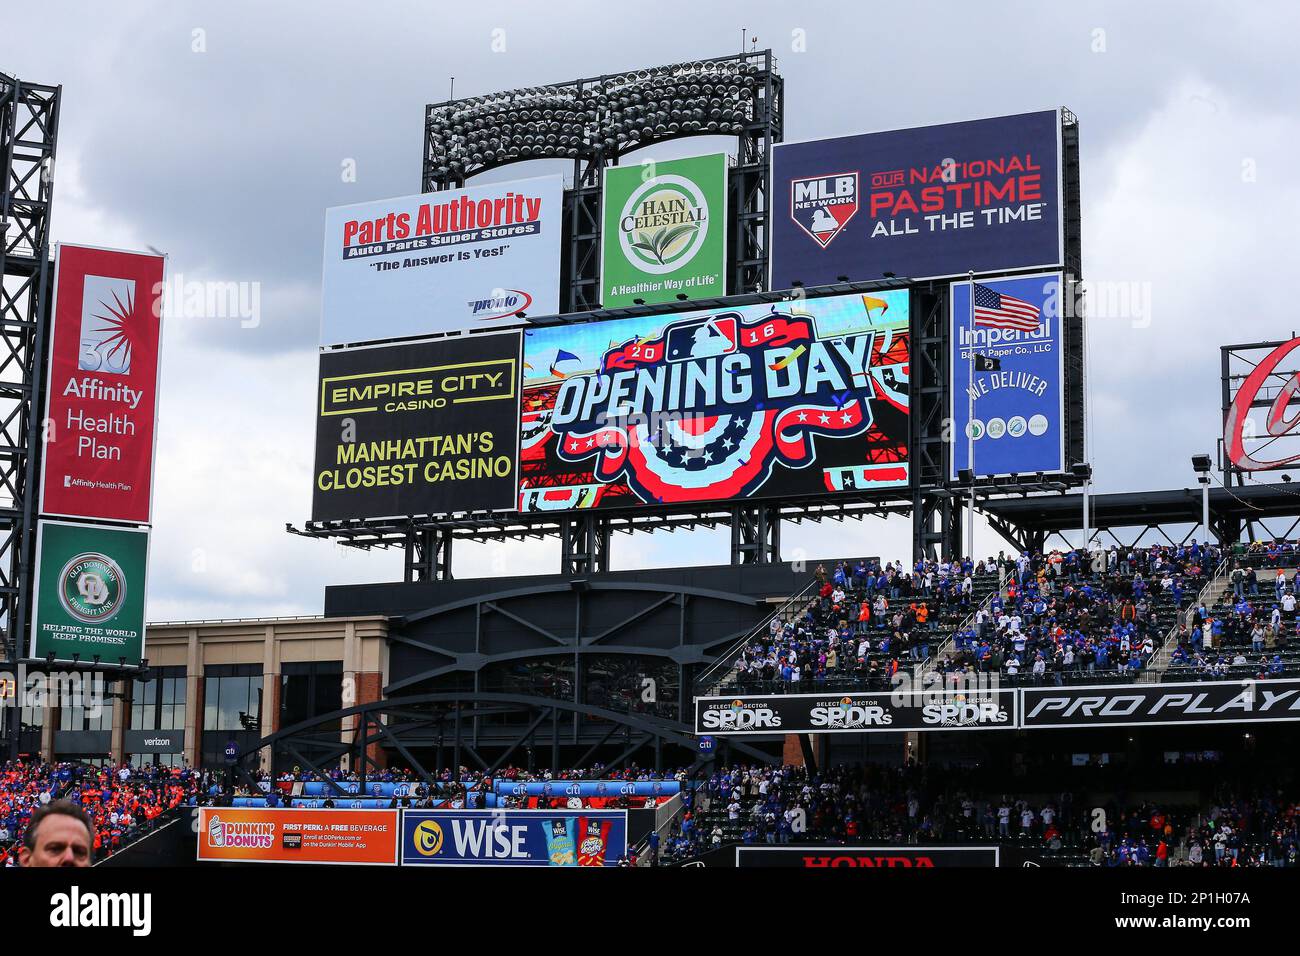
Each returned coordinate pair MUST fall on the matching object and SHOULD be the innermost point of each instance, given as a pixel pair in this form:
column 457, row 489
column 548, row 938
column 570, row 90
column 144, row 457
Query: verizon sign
column 1239, row 427
column 1142, row 705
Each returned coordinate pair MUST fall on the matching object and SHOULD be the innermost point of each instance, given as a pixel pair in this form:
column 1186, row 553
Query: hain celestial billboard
column 418, row 428
column 89, row 592
column 103, row 385
column 796, row 398
column 982, row 196
column 1018, row 397
column 442, row 262
column 665, row 231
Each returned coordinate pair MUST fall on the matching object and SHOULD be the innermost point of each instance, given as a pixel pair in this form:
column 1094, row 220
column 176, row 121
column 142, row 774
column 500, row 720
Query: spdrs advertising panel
column 982, row 195
column 441, row 262
column 665, row 231
column 786, row 400
column 879, row 712
column 513, row 837
column 419, row 428
column 1019, row 408
column 102, row 391
column 263, row 835
column 89, row 592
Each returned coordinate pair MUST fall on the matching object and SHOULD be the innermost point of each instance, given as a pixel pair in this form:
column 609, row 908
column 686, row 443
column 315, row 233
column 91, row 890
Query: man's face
column 61, row 840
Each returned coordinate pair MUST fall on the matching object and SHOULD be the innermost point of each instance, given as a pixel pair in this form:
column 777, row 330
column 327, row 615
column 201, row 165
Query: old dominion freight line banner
column 513, row 837
column 89, row 592
column 800, row 398
column 665, row 231
column 419, row 428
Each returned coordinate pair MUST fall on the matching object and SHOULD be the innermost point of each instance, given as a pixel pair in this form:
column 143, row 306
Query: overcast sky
column 218, row 134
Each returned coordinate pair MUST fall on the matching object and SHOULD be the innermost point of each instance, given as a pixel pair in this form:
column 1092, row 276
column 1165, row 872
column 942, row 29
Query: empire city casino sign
column 724, row 405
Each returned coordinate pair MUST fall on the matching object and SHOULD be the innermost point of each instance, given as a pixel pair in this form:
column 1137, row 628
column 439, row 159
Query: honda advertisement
column 590, row 838
column 868, row 857
column 883, row 712
column 935, row 201
column 754, row 401
column 418, row 428
column 1150, row 705
column 1008, row 370
column 462, row 259
column 101, row 396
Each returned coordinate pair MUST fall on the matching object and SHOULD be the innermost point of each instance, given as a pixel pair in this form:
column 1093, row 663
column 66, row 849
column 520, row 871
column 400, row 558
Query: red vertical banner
column 102, row 385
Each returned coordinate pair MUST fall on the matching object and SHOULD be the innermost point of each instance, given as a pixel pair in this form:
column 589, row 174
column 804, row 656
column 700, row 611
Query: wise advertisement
column 1019, row 408
column 89, row 592
column 798, row 398
column 665, row 231
column 263, row 835
column 590, row 838
column 462, row 259
column 420, row 428
column 102, row 387
column 981, row 195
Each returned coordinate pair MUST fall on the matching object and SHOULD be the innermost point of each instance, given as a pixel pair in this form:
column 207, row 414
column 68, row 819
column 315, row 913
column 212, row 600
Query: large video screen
column 982, row 196
column 798, row 398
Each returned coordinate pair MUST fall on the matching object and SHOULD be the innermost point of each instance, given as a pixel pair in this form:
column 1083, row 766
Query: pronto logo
column 92, row 588
column 663, row 224
column 427, row 838
column 501, row 304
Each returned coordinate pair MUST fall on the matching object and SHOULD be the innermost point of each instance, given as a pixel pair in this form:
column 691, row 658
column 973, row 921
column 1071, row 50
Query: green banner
column 89, row 592
column 664, row 231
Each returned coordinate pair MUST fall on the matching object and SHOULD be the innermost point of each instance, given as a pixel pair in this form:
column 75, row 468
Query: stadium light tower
column 1201, row 465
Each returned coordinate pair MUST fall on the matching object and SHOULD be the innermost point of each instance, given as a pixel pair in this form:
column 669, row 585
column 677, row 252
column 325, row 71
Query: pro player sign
column 102, row 389
column 89, row 592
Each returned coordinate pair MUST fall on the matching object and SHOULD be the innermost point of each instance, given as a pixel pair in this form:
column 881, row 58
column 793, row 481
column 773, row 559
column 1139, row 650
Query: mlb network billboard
column 441, row 262
column 800, row 398
column 1019, row 408
column 937, row 201
column 513, row 837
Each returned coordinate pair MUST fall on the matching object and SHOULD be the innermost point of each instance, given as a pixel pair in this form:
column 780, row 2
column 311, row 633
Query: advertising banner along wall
column 442, row 262
column 982, row 195
column 513, row 837
column 755, row 401
column 250, row 835
column 1019, row 402
column 868, row 857
column 882, row 712
column 418, row 428
column 89, row 592
column 102, row 391
column 665, row 231
column 1142, row 705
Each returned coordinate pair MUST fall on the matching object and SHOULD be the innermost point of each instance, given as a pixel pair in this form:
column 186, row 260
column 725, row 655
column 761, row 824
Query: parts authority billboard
column 89, row 592
column 513, row 837
column 800, row 398
column 102, row 389
column 442, row 262
column 418, row 428
column 665, row 231
column 983, row 195
column 1019, row 407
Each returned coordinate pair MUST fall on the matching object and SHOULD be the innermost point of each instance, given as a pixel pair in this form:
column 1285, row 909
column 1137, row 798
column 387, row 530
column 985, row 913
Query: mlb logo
column 715, row 335
column 823, row 205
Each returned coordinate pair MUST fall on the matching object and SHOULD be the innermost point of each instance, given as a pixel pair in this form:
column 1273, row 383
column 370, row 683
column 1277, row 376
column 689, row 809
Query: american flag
column 996, row 311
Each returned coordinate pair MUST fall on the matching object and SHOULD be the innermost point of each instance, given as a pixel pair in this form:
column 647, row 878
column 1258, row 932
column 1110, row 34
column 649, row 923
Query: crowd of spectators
column 754, row 805
column 123, row 802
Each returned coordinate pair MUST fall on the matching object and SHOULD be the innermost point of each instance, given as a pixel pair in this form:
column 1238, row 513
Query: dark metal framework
column 29, row 121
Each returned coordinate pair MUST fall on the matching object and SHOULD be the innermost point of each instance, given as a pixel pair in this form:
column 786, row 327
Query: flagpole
column 970, row 421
